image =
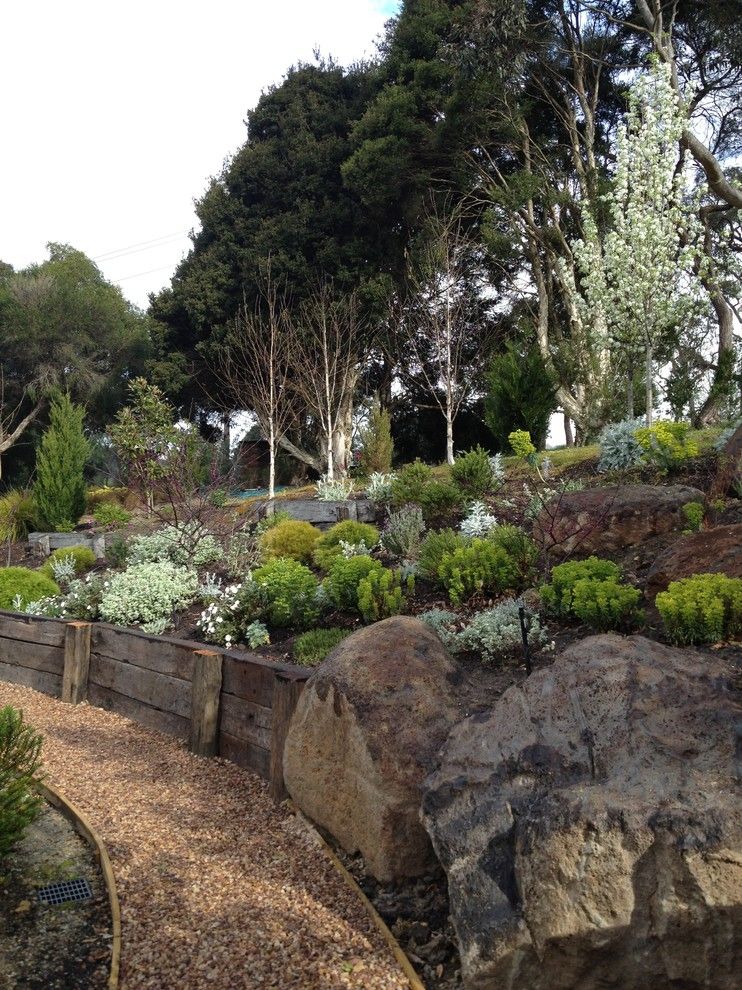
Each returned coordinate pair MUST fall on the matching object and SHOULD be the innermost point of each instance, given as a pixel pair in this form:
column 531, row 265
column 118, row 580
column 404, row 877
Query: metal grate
column 65, row 891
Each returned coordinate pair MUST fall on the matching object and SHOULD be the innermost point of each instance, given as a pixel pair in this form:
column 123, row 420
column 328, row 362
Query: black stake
column 524, row 634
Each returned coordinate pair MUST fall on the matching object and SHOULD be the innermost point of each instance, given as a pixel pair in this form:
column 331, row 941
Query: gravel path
column 218, row 887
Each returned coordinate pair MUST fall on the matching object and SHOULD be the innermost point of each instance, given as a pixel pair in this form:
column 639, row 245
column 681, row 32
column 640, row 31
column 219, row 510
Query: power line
column 140, row 246
column 150, row 272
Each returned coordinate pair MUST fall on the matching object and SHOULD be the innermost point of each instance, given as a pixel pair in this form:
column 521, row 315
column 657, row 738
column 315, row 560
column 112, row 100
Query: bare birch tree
column 437, row 323
column 253, row 365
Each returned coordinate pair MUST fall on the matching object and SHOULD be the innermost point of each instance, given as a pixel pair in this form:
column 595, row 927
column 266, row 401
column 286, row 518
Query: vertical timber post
column 76, row 662
column 205, row 691
column 286, row 691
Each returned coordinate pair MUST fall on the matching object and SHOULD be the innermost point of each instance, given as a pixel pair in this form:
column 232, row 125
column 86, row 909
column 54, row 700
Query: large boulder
column 363, row 738
column 729, row 471
column 712, row 551
column 609, row 519
column 590, row 828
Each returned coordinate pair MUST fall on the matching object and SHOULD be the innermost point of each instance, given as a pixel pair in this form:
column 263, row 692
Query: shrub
column 434, row 546
column 110, row 513
column 82, row 559
column 619, row 448
column 480, row 567
column 242, row 553
column 341, row 584
column 290, row 591
column 496, row 634
column 81, row 600
column 20, row 765
column 520, row 441
column 415, row 484
column 190, row 545
column 705, row 608
column 329, row 545
column 59, row 491
column 694, row 513
column 521, row 549
column 147, row 594
column 520, row 395
column 17, row 516
column 665, row 445
column 377, row 447
column 117, row 551
column 313, row 646
column 379, row 488
column 380, row 594
column 472, row 473
column 234, row 614
column 333, row 489
column 443, row 623
column 292, row 538
column 403, row 533
column 478, row 521
column 605, row 605
column 106, row 495
column 558, row 595
column 19, row 586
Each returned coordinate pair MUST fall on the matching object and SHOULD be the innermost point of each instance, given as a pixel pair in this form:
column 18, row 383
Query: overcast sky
column 116, row 113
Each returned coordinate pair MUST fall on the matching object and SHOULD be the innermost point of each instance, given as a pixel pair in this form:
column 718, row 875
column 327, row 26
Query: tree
column 63, row 327
column 143, row 437
column 253, row 365
column 59, row 491
column 377, row 446
column 520, row 396
column 641, row 278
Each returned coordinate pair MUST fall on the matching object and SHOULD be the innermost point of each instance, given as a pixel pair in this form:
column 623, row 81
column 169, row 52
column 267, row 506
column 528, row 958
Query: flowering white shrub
column 81, row 600
column 146, row 594
column 188, row 546
column 478, row 521
column 333, row 490
column 233, row 616
column 495, row 633
column 379, row 488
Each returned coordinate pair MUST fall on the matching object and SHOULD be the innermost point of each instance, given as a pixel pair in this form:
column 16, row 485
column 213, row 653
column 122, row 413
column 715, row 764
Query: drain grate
column 65, row 891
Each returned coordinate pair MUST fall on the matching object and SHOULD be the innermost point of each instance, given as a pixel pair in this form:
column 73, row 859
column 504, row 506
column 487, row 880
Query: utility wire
column 141, row 246
column 150, row 272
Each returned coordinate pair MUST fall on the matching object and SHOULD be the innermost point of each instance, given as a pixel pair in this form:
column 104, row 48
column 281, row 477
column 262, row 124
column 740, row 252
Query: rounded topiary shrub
column 24, row 584
column 291, row 538
column 290, row 592
column 341, row 584
column 329, row 547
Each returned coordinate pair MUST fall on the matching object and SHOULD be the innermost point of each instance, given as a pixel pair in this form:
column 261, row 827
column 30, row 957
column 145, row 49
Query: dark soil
column 43, row 947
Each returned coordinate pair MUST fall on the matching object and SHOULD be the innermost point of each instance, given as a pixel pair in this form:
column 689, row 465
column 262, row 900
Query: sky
column 117, row 112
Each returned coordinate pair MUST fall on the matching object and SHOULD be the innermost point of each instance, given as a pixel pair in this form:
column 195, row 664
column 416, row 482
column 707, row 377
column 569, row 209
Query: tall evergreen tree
column 59, row 492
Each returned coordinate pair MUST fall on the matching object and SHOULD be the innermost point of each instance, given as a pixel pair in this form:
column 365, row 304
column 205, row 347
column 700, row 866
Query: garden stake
column 524, row 634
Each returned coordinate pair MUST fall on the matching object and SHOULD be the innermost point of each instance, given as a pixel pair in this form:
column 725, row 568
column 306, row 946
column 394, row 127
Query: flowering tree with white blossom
column 641, row 278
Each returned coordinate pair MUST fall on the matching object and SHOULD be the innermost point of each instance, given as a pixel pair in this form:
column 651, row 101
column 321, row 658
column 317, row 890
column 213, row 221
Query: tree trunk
column 630, row 390
column 449, row 437
column 301, row 455
column 725, row 360
column 8, row 439
column 226, row 441
column 272, row 462
column 648, row 385
column 568, row 435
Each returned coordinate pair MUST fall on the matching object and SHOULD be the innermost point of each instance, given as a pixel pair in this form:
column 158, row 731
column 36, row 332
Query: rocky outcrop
column 609, row 519
column 712, row 551
column 363, row 738
column 590, row 828
column 729, row 471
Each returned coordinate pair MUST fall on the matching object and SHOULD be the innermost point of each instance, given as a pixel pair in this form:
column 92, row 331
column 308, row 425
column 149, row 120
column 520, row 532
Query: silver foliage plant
column 478, row 521
column 333, row 489
column 403, row 533
column 619, row 448
column 496, row 634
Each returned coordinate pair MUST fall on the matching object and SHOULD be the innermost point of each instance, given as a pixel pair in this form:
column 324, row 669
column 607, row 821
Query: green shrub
column 234, row 615
column 480, row 567
column 380, row 594
column 117, row 552
column 341, row 584
column 292, row 538
column 520, row 441
column 434, row 546
column 109, row 513
column 313, row 646
column 59, row 491
column 557, row 596
column 472, row 473
column 19, row 586
column 290, row 590
column 521, row 395
column 328, row 546
column 83, row 559
column 377, row 447
column 694, row 513
column 605, row 605
column 705, row 608
column 666, row 445
column 415, row 484
column 521, row 549
column 20, row 765
column 17, row 516
column 403, row 533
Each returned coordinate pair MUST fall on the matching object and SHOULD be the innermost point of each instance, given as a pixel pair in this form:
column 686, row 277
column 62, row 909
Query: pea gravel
column 218, row 887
